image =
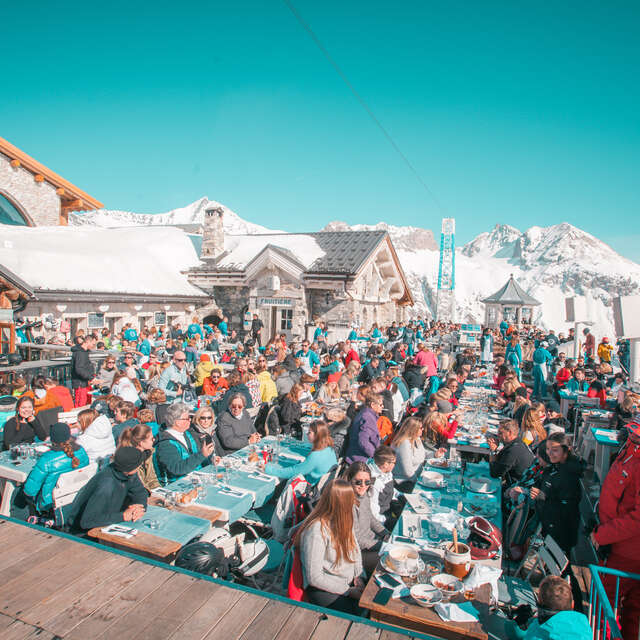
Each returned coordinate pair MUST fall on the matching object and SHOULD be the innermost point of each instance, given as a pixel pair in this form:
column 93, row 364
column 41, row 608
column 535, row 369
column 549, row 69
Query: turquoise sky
column 519, row 113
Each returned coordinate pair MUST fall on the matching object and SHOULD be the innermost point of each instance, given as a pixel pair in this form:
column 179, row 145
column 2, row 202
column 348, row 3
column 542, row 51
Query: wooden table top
column 404, row 613
column 199, row 511
column 143, row 543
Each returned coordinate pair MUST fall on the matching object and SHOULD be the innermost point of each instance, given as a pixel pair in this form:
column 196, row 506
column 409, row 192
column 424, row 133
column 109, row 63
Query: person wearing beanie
column 102, row 500
column 65, row 455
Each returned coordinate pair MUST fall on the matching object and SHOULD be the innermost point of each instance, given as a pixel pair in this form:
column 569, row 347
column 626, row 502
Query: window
column 160, row 318
column 9, row 214
column 286, row 319
column 95, row 320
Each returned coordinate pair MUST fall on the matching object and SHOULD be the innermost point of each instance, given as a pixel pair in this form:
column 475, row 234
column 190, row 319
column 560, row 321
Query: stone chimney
column 213, row 232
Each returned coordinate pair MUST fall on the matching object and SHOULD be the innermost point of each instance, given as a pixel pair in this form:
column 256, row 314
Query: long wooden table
column 403, row 612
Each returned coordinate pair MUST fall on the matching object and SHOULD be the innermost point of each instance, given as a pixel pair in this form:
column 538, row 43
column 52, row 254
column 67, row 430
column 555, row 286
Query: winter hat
column 59, row 432
column 605, row 339
column 205, row 358
column 127, row 459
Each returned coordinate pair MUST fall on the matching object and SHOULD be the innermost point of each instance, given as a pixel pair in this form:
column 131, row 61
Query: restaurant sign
column 275, row 302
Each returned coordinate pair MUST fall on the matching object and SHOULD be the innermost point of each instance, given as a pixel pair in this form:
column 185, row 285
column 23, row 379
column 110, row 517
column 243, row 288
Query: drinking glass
column 434, row 531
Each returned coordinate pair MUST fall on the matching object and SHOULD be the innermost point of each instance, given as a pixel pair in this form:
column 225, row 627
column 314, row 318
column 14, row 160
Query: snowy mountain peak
column 192, row 214
column 409, row 238
column 501, row 241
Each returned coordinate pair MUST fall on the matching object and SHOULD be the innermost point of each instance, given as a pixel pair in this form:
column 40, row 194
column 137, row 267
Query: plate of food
column 438, row 463
column 426, row 595
column 481, row 505
column 449, row 585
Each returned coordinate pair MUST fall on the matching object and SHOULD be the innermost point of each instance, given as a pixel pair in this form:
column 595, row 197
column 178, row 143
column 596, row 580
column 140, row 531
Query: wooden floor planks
column 55, row 588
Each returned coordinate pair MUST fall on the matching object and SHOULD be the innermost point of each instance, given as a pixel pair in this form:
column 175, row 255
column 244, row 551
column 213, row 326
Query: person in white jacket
column 96, row 437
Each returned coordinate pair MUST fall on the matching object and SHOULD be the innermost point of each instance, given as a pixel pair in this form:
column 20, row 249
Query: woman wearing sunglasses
column 368, row 530
column 204, row 424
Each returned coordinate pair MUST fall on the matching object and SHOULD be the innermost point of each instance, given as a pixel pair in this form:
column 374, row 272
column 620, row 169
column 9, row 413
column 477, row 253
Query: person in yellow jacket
column 604, row 351
column 268, row 389
column 203, row 370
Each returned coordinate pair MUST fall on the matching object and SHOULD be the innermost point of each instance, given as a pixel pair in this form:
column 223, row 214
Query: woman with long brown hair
column 329, row 552
column 321, row 459
column 24, row 426
column 410, row 454
column 65, row 455
column 532, row 432
column 290, row 409
column 96, row 436
column 141, row 437
column 369, row 531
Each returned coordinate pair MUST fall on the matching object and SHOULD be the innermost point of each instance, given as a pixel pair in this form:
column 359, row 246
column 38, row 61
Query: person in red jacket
column 563, row 376
column 619, row 513
column 596, row 390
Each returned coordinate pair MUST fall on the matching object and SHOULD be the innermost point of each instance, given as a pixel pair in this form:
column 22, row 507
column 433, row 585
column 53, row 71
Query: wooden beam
column 38, row 177
column 60, row 191
column 32, row 165
column 72, row 204
column 15, row 163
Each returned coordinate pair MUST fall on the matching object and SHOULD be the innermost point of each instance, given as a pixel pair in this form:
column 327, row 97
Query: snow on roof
column 135, row 260
column 240, row 250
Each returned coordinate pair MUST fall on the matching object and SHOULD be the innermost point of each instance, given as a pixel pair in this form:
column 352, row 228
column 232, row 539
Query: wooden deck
column 54, row 587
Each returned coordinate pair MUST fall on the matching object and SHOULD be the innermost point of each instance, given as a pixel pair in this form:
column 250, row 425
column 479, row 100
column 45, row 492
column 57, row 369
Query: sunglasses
column 179, row 359
column 361, row 483
column 236, row 406
column 206, row 417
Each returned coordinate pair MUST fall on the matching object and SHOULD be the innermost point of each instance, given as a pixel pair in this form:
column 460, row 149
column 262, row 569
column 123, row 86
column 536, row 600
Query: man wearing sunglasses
column 173, row 379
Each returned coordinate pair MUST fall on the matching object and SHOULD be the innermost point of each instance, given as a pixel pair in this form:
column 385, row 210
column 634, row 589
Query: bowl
column 426, row 595
column 449, row 585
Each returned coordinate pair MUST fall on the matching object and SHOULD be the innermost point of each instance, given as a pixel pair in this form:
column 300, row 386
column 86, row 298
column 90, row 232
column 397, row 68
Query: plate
column 431, row 479
column 481, row 484
column 392, row 568
column 438, row 463
column 449, row 585
column 426, row 595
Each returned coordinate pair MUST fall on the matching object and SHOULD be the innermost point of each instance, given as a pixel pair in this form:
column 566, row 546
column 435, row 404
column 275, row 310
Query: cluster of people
column 164, row 403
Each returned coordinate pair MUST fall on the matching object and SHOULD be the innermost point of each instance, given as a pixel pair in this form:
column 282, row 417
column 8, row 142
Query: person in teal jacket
column 556, row 619
column 541, row 361
column 64, row 456
column 321, row 459
column 513, row 354
column 577, row 383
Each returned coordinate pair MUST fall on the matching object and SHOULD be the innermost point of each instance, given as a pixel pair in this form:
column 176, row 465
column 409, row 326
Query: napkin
column 452, row 612
column 260, row 476
column 481, row 574
column 119, row 530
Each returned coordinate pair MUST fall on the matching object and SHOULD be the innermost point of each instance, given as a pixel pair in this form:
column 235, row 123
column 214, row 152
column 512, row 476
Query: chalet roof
column 512, row 293
column 70, row 195
column 13, row 281
column 331, row 252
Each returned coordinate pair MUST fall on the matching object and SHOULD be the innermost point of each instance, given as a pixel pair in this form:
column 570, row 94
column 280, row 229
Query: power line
column 362, row 101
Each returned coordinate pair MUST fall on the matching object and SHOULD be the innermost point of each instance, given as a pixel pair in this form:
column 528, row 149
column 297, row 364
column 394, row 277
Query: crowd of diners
column 381, row 411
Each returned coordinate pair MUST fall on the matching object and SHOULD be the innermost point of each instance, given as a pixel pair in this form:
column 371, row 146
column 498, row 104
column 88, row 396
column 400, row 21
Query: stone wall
column 232, row 300
column 38, row 200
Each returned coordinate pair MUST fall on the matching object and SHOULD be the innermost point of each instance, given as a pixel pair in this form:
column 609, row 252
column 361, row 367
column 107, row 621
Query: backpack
column 290, row 509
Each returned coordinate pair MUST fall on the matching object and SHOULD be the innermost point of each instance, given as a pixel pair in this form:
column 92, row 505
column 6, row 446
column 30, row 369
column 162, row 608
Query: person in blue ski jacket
column 513, row 354
column 541, row 360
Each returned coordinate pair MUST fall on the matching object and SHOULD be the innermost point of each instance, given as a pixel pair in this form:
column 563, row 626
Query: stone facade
column 115, row 316
column 37, row 201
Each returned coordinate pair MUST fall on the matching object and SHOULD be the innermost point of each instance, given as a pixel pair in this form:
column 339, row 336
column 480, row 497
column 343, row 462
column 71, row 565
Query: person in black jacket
column 113, row 495
column 290, row 410
column 413, row 376
column 24, row 426
column 372, row 370
column 513, row 459
column 82, row 370
column 558, row 492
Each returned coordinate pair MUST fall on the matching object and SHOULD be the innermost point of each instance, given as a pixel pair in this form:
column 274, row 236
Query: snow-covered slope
column 192, row 214
column 551, row 263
